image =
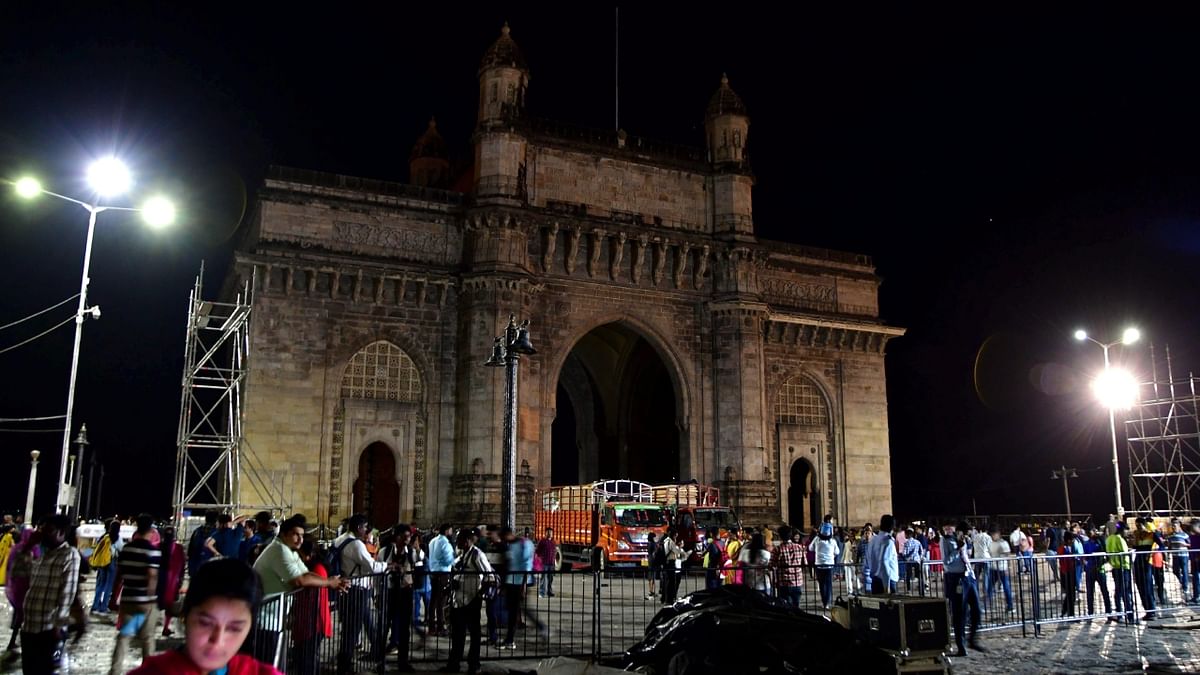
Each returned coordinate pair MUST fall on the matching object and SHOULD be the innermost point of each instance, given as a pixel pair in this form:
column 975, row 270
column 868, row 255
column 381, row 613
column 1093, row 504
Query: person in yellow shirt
column 1119, row 557
column 7, row 539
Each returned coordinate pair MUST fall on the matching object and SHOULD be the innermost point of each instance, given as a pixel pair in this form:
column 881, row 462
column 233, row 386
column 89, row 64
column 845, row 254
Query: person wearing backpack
column 466, row 583
column 197, row 553
column 104, row 561
column 350, row 558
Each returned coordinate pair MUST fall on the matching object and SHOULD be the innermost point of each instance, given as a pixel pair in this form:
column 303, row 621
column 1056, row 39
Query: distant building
column 672, row 343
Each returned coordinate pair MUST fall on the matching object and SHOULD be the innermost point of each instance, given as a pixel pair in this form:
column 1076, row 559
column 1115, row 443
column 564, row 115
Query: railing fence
column 594, row 614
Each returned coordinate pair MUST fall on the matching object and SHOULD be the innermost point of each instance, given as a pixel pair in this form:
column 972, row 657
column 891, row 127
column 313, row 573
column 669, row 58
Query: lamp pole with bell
column 507, row 351
column 33, row 455
column 81, row 443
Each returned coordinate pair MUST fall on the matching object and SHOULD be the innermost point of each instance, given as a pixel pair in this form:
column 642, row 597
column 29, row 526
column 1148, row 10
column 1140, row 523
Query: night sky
column 1014, row 178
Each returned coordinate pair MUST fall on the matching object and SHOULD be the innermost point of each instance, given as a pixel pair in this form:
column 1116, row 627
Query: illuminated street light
column 158, row 212
column 28, row 188
column 108, row 177
column 1117, row 389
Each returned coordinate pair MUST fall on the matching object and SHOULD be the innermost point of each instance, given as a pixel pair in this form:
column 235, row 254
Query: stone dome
column 430, row 144
column 725, row 101
column 504, row 52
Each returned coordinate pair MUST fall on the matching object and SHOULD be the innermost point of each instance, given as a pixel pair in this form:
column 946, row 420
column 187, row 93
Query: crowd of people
column 384, row 586
column 387, row 585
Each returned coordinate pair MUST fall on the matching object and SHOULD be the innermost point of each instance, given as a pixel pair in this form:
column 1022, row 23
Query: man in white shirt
column 999, row 548
column 981, row 551
column 355, row 606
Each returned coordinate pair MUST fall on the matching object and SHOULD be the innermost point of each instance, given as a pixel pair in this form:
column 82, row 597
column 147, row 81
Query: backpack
column 660, row 557
column 102, row 554
column 333, row 560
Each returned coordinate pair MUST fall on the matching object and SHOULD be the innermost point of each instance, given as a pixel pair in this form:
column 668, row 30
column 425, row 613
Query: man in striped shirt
column 137, row 570
column 52, row 587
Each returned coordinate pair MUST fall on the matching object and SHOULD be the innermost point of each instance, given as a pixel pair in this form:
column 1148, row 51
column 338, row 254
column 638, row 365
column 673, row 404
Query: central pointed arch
column 621, row 406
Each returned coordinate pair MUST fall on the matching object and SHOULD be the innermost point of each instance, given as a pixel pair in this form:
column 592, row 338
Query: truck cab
column 693, row 509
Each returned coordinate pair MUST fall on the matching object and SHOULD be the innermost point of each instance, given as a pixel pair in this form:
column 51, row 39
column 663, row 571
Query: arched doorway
column 803, row 498
column 376, row 491
column 803, row 434
column 616, row 412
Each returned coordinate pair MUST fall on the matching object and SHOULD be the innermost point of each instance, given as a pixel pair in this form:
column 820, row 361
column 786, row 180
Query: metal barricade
column 597, row 613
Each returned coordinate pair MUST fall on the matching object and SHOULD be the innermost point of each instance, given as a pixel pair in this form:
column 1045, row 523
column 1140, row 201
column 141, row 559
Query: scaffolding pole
column 214, row 465
column 1163, row 442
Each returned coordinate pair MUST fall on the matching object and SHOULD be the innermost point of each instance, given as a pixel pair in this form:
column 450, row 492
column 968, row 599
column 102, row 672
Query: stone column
column 738, row 383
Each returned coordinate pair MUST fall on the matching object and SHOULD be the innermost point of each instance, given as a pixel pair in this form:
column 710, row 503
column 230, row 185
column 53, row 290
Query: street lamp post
column 108, row 177
column 1064, row 473
column 33, row 456
column 81, row 443
column 1116, row 389
column 507, row 351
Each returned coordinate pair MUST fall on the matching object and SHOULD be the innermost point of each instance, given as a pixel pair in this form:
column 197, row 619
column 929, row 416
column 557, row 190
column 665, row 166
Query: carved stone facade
column 687, row 347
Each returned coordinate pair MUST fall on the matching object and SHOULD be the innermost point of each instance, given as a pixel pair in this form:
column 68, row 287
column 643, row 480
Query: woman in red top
column 170, row 577
column 935, row 552
column 218, row 614
column 311, row 619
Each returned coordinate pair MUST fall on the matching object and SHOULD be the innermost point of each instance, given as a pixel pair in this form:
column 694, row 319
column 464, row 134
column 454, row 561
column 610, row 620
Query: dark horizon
column 1012, row 182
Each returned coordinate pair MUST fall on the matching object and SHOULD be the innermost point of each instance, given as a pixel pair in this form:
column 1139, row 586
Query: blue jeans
column 792, row 595
column 105, row 576
column 825, row 582
column 1179, row 564
column 1096, row 577
column 963, row 595
column 420, row 596
column 1000, row 576
column 546, row 583
column 1143, row 577
column 1123, row 586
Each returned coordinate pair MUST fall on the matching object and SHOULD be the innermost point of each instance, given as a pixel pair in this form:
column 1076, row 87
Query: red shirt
column 310, row 612
column 176, row 662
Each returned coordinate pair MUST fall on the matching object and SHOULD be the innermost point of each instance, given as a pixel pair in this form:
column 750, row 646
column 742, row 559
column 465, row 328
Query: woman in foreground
column 218, row 615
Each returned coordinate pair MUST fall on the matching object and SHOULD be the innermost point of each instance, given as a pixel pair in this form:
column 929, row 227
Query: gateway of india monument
column 673, row 344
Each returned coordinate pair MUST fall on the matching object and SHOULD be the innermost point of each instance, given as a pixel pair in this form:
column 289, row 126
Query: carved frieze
column 412, row 243
column 794, row 293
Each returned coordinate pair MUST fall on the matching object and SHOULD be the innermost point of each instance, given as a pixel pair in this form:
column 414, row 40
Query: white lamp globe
column 109, row 177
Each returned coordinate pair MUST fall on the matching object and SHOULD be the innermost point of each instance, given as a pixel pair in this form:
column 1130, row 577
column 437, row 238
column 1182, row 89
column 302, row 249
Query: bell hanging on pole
column 522, row 345
column 497, row 358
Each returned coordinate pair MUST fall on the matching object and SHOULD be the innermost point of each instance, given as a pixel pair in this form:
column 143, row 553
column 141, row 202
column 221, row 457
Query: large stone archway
column 617, row 411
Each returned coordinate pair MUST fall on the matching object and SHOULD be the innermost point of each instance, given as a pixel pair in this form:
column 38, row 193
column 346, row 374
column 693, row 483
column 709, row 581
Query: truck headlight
column 622, row 546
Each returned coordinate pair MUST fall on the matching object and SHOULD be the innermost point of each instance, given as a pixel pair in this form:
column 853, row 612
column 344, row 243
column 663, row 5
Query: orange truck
column 609, row 518
column 693, row 508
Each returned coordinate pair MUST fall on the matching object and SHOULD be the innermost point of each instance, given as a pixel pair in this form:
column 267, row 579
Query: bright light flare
column 158, row 212
column 1116, row 388
column 109, row 177
column 1081, row 335
column 28, row 187
column 1131, row 335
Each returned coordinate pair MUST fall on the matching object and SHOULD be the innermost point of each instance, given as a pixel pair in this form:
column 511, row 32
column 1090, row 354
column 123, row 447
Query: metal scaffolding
column 1163, row 440
column 213, row 463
